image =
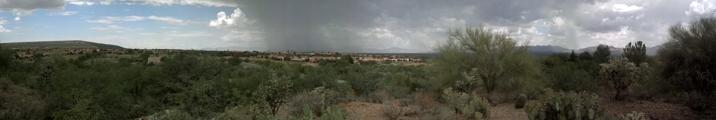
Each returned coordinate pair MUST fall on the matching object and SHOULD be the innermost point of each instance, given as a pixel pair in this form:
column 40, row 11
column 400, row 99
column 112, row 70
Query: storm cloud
column 406, row 25
column 420, row 25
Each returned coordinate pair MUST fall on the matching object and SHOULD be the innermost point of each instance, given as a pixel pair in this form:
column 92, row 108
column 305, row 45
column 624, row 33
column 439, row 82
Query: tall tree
column 488, row 58
column 690, row 54
column 4, row 58
column 572, row 56
column 601, row 55
column 636, row 53
column 585, row 56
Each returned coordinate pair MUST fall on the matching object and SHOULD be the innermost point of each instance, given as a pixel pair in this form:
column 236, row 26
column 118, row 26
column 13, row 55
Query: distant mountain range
column 549, row 50
column 539, row 50
column 545, row 50
column 58, row 44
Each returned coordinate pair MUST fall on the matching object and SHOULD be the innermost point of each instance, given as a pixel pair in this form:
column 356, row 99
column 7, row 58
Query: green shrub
column 20, row 103
column 5, row 58
column 469, row 106
column 331, row 113
column 688, row 56
column 565, row 106
column 273, row 93
column 251, row 112
column 315, row 101
column 84, row 110
column 171, row 114
column 363, row 86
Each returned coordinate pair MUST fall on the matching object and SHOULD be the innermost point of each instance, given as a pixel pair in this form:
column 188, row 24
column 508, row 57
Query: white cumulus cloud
column 89, row 2
column 3, row 29
column 115, row 20
column 210, row 3
column 624, row 8
column 700, row 7
column 237, row 18
column 169, row 20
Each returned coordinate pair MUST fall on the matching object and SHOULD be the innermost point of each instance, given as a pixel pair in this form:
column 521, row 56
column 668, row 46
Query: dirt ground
column 655, row 110
column 506, row 111
column 374, row 111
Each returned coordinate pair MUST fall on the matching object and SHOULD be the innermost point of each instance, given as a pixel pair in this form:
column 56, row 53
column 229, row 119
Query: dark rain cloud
column 335, row 25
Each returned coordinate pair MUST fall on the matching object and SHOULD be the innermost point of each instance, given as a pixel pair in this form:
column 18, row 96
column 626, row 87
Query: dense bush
column 602, row 54
column 689, row 57
column 570, row 73
column 273, row 93
column 19, row 103
column 565, row 106
column 5, row 58
column 316, row 101
column 466, row 105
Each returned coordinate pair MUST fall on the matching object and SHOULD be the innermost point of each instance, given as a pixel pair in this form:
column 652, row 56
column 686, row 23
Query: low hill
column 615, row 51
column 58, row 44
column 546, row 50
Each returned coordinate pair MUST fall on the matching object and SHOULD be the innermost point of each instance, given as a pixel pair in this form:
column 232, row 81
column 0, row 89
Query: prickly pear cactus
column 470, row 106
column 565, row 106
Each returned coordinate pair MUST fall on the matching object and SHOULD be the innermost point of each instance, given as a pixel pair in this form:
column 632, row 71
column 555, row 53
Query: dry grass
column 507, row 111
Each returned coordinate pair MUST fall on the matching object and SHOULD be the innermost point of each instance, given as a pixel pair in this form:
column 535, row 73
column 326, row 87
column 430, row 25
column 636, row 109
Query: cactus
column 470, row 106
column 565, row 106
column 634, row 115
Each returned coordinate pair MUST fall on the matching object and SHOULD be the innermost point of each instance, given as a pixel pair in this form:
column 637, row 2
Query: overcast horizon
column 341, row 25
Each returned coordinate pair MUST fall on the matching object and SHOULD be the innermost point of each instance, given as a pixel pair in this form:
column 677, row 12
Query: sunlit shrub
column 315, row 101
column 273, row 93
column 331, row 113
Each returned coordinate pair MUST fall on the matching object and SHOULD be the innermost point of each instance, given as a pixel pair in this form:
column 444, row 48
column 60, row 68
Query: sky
column 342, row 25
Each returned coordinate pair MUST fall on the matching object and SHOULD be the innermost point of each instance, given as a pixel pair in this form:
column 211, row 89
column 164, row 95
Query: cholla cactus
column 565, row 106
column 620, row 74
column 634, row 115
column 470, row 106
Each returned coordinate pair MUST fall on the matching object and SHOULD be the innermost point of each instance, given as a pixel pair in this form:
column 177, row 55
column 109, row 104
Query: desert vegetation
column 477, row 73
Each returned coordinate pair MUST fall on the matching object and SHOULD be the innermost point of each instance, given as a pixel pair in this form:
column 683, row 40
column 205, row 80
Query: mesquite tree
column 486, row 58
